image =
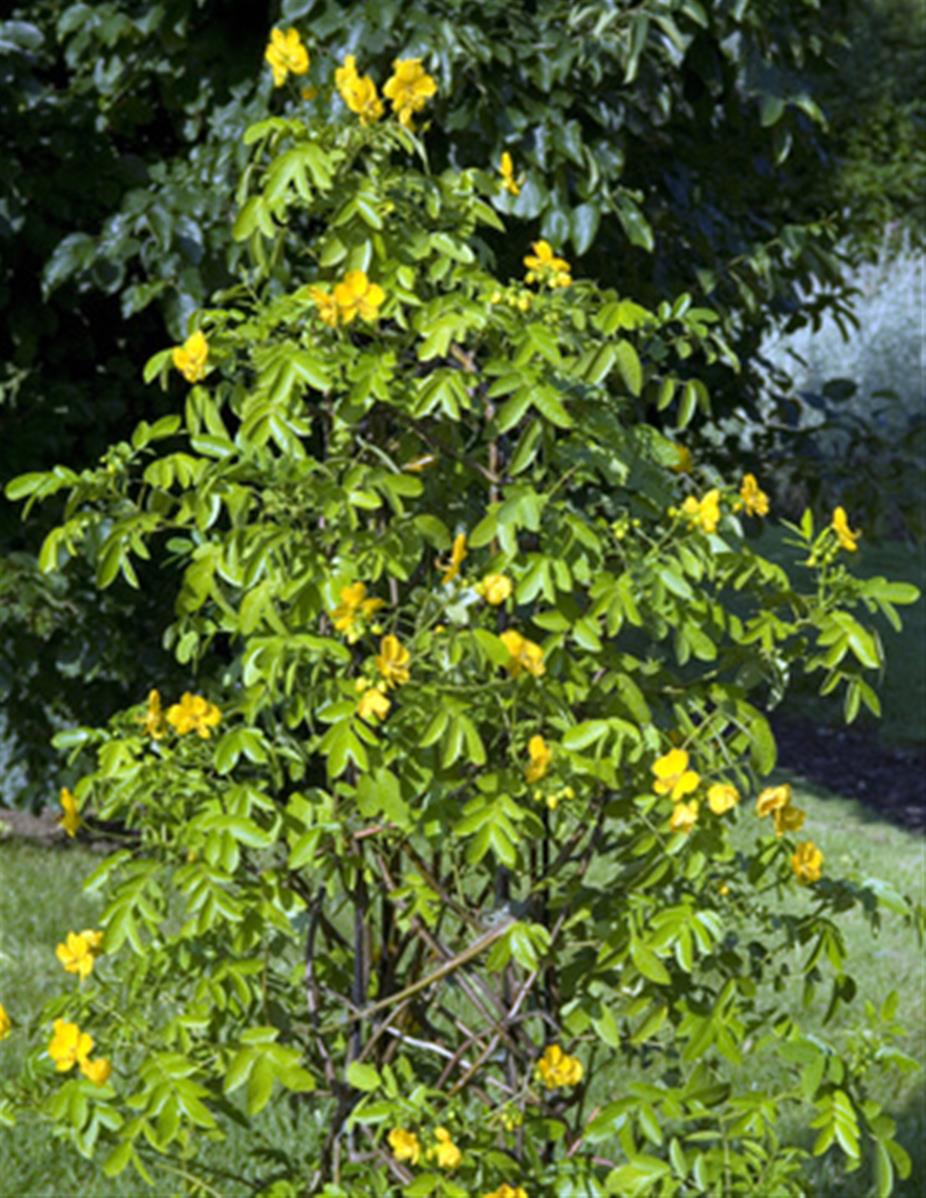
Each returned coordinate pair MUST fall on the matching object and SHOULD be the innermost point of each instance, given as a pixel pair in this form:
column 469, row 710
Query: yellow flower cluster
column 557, row 1069
column 69, row 1046
column 552, row 798
column 193, row 714
column 70, row 820
column 722, row 797
column 392, row 661
column 191, row 357
column 374, row 703
column 409, row 89
column 445, row 1152
column 406, row 1146
column 152, row 721
column 286, row 55
column 544, row 267
column 673, row 777
column 506, row 170
column 358, row 92
column 6, row 1023
column 354, row 296
column 525, row 655
column 507, row 1191
column 540, row 757
column 684, row 460
column 79, row 952
column 807, row 863
column 703, row 513
column 776, row 801
column 354, row 608
column 451, row 568
column 847, row 538
column 752, row 497
column 495, row 588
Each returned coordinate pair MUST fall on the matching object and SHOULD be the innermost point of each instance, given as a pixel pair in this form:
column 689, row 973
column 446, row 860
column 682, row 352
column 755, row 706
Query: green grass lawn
column 41, row 899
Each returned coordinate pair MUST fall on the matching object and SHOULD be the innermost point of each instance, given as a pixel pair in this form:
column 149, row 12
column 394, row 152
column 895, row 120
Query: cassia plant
column 471, row 854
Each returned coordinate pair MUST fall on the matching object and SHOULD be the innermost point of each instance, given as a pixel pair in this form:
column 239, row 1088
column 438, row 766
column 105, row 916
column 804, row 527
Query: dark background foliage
column 740, row 150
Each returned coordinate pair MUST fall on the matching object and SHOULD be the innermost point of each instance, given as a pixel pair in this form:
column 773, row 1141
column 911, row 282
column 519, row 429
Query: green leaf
column 649, row 964
column 635, row 224
column 636, row 1177
column 771, row 109
column 585, row 734
column 260, row 1085
column 628, row 363
column 363, row 1077
column 584, row 223
column 24, row 484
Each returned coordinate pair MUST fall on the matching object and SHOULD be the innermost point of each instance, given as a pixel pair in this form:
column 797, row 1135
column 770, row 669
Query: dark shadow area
column 850, row 762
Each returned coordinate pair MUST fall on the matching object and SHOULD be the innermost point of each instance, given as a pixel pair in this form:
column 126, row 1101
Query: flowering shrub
column 462, row 850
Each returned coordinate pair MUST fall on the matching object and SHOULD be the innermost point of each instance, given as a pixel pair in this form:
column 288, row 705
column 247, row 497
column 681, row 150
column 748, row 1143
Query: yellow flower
column 495, row 588
column 404, row 1145
column 847, row 539
column 525, row 654
column 191, row 357
column 557, row 1069
column 286, row 55
column 355, row 295
column 392, row 661
column 6, row 1023
column 409, row 89
column 673, row 775
column 97, row 1071
column 722, row 797
column 193, row 714
column 416, row 465
column 753, row 498
column 69, row 1046
column 544, row 267
column 373, row 705
column 70, row 820
column 684, row 816
column 507, row 1191
column 788, row 819
column 354, row 604
column 807, row 862
column 358, row 92
column 451, row 569
column 772, row 799
column 153, row 720
column 506, row 170
column 552, row 798
column 445, row 1152
column 703, row 513
column 684, row 460
column 723, row 890
column 328, row 310
column 79, row 951
column 540, row 758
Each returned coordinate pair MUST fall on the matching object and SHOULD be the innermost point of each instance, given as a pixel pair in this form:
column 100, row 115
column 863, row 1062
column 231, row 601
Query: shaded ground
column 850, row 761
